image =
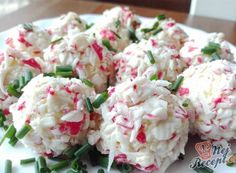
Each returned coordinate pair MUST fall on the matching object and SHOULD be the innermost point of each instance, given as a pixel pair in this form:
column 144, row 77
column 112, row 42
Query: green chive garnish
column 28, row 26
column 230, row 164
column 151, row 57
column 89, row 105
column 64, row 71
column 2, row 118
column 88, row 26
column 28, row 76
column 82, row 150
column 186, row 103
column 211, row 48
column 9, row 133
column 125, row 168
column 27, row 161
column 42, row 165
column 154, row 27
column 154, row 77
column 203, row 170
column 107, row 44
column 215, row 56
column 117, row 23
column 69, row 152
column 132, row 36
column 59, row 165
column 56, row 40
column 23, row 131
column 21, row 82
column 88, row 83
column 161, row 17
column 12, row 91
column 100, row 99
column 157, row 31
column 175, row 86
column 101, row 171
column 16, row 84
column 8, row 166
column 36, row 167
column 13, row 140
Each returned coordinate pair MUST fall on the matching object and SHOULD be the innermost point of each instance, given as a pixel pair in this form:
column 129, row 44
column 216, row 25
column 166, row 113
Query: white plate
column 19, row 152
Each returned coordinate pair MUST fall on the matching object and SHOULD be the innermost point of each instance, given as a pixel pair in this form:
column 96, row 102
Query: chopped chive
column 175, row 86
column 88, row 26
column 36, row 167
column 27, row 161
column 215, row 56
column 132, row 36
column 230, row 164
column 157, row 31
column 116, row 34
column 117, row 23
column 64, row 71
column 100, row 99
column 8, row 166
column 88, row 83
column 12, row 91
column 154, row 27
column 49, row 74
column 89, row 105
column 9, row 133
column 2, row 118
column 82, row 150
column 211, row 48
column 21, row 82
column 107, row 44
column 186, row 103
column 125, row 168
column 154, row 77
column 151, row 57
column 16, row 84
column 69, row 152
column 28, row 26
column 65, row 74
column 203, row 170
column 13, row 140
column 100, row 170
column 42, row 165
column 161, row 17
column 59, row 165
column 28, row 76
column 23, row 131
column 56, row 40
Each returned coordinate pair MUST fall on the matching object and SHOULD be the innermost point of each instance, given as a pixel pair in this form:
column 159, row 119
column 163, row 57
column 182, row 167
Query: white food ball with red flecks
column 114, row 26
column 143, row 125
column 166, row 30
column 192, row 54
column 88, row 57
column 148, row 58
column 211, row 90
column 55, row 108
column 28, row 38
column 67, row 24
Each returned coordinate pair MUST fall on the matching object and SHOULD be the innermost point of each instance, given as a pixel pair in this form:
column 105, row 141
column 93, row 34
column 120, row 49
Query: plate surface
column 19, row 152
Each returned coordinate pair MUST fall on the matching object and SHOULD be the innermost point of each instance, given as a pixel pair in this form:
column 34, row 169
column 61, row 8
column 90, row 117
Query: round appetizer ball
column 67, row 24
column 149, row 58
column 55, row 110
column 163, row 29
column 210, row 90
column 89, row 59
column 28, row 38
column 143, row 125
column 205, row 49
column 115, row 27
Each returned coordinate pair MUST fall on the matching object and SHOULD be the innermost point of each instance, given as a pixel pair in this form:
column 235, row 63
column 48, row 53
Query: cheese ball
column 28, row 38
column 192, row 52
column 56, row 111
column 143, row 125
column 88, row 57
column 67, row 24
column 210, row 89
column 115, row 26
column 165, row 29
column 148, row 58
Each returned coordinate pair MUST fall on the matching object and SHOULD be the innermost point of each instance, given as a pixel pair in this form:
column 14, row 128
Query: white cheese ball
column 192, row 54
column 114, row 25
column 67, row 24
column 88, row 57
column 55, row 109
column 169, row 32
column 135, row 61
column 143, row 125
column 28, row 38
column 210, row 88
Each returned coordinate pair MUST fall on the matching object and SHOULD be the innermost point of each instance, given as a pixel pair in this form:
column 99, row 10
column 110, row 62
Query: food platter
column 19, row 152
